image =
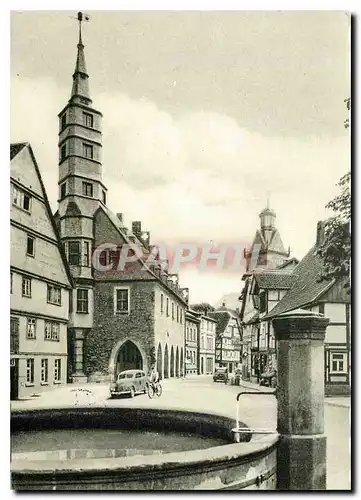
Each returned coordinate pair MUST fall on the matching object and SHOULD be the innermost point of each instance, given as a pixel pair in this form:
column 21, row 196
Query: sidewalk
column 341, row 401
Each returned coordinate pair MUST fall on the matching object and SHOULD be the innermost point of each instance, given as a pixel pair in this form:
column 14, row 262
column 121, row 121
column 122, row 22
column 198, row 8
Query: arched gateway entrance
column 126, row 355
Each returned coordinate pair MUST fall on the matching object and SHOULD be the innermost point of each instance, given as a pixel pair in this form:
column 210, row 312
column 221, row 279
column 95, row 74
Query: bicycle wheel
column 158, row 390
column 150, row 391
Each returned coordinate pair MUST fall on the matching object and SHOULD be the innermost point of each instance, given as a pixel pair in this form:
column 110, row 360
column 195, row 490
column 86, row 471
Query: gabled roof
column 275, row 281
column 130, row 238
column 15, row 148
column 307, row 287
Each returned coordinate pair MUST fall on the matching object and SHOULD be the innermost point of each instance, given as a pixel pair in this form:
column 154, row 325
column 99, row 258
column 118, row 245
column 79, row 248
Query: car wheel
column 132, row 392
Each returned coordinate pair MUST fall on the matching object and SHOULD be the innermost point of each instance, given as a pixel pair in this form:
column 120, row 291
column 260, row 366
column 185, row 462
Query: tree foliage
column 203, row 307
column 335, row 250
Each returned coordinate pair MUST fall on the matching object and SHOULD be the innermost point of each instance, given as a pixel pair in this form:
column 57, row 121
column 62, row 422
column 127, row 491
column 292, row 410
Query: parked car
column 129, row 382
column 220, row 375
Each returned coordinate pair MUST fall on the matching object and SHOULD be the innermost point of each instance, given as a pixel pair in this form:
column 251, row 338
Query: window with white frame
column 82, row 300
column 21, row 199
column 161, row 303
column 121, row 301
column 74, row 253
column 44, row 371
column 52, row 331
column 31, row 328
column 57, row 370
column 54, row 295
column 172, row 310
column 338, row 362
column 26, row 287
column 167, row 308
column 30, row 371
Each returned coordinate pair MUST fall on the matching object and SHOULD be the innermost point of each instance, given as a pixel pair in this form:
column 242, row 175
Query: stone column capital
column 300, row 325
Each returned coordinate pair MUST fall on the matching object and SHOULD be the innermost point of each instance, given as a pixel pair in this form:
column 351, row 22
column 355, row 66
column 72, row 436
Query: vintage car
column 129, row 382
column 220, row 375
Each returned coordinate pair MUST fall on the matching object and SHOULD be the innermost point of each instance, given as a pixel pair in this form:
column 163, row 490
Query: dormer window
column 88, row 120
column 87, row 150
column 88, row 189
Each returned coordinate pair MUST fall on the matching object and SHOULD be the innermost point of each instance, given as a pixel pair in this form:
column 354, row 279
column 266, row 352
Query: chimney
column 137, row 227
column 120, row 217
column 320, row 233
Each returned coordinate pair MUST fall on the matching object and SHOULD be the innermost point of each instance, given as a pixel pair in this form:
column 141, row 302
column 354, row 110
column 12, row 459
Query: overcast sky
column 205, row 114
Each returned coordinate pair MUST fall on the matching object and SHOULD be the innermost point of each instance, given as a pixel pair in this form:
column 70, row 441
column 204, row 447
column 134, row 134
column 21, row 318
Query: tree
column 203, row 307
column 335, row 250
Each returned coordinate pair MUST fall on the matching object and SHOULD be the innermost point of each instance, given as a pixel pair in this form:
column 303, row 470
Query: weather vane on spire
column 82, row 17
column 268, row 198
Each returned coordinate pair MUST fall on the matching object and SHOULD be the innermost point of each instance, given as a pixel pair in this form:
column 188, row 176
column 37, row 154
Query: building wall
column 207, row 345
column 159, row 336
column 44, row 268
column 170, row 331
column 337, row 348
column 191, row 347
column 110, row 330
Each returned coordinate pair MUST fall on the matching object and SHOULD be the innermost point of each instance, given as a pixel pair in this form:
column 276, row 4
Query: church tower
column 81, row 192
column 268, row 241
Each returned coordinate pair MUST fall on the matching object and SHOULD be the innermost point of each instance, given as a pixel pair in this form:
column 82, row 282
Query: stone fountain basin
column 222, row 464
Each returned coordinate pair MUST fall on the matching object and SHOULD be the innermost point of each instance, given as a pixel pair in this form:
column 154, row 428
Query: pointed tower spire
column 80, row 90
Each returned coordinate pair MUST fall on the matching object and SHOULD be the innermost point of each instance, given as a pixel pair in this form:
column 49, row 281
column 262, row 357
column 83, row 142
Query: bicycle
column 154, row 389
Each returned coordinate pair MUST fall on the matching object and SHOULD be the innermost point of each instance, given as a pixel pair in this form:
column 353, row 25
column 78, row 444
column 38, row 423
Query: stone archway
column 160, row 361
column 166, row 362
column 177, row 363
column 181, row 363
column 172, row 362
column 127, row 355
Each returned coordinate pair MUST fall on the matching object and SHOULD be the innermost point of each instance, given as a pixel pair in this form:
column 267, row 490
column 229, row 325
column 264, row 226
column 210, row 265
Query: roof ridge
column 140, row 259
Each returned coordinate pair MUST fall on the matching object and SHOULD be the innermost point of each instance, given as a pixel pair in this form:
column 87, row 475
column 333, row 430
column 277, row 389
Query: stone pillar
column 301, row 456
column 78, row 375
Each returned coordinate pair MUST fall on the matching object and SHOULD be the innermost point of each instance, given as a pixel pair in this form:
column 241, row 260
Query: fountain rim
column 210, row 457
